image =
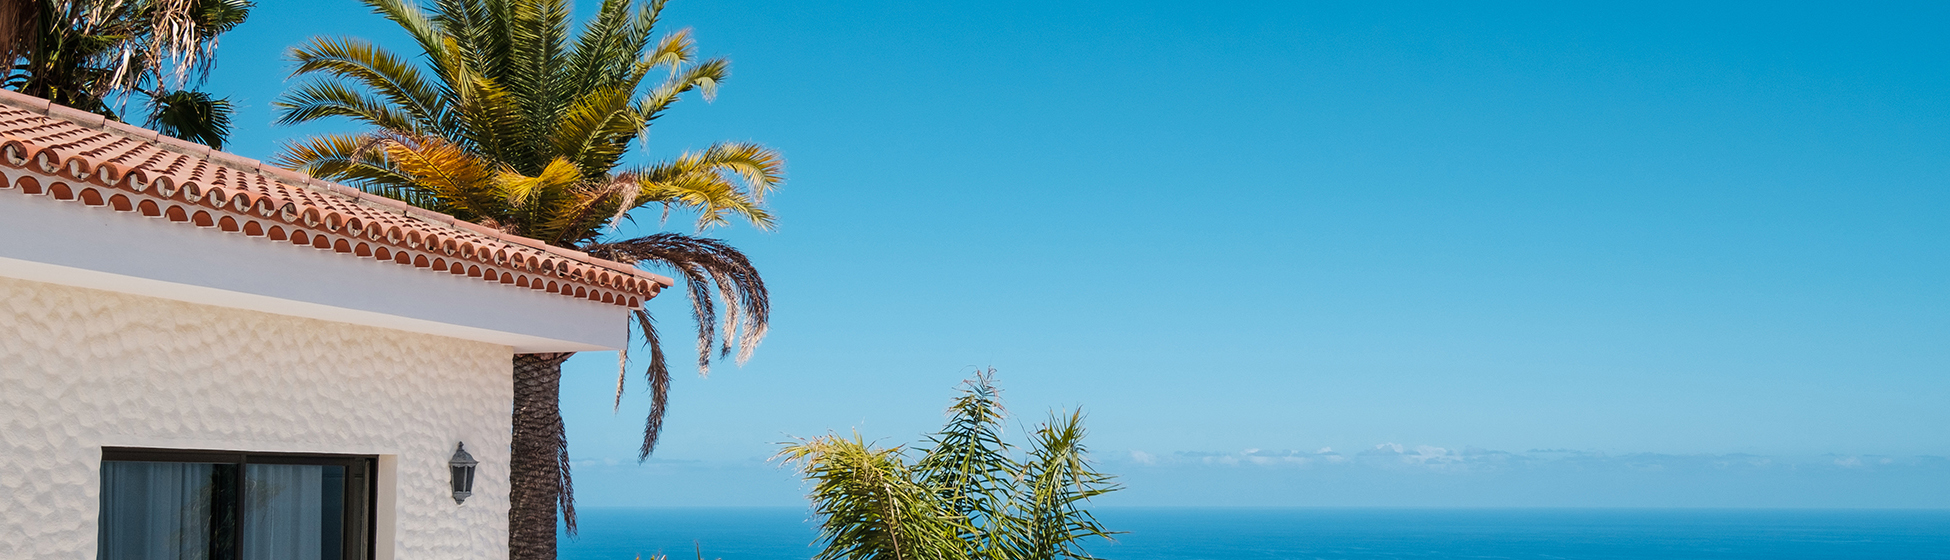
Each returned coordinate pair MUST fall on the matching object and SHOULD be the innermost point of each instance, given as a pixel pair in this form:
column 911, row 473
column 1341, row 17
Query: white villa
column 202, row 356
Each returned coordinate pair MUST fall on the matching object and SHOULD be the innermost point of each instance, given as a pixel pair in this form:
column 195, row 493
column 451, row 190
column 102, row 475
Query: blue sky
column 1317, row 254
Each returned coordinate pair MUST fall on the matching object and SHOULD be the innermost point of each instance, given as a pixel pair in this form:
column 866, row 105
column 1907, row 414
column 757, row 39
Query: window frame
column 360, row 524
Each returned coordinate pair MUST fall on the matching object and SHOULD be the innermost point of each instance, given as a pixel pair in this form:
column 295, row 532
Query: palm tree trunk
column 539, row 459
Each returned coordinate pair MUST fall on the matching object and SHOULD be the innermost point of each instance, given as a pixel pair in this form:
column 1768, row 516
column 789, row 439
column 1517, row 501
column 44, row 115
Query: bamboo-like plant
column 966, row 496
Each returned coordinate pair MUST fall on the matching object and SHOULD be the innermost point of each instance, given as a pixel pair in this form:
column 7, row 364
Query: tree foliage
column 512, row 116
column 97, row 55
column 518, row 123
column 967, row 495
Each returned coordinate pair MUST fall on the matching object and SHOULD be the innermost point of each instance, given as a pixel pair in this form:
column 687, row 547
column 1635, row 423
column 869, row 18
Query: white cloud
column 1398, row 457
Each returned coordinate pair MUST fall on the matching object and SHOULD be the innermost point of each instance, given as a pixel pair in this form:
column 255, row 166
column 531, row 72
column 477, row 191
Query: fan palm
column 966, row 497
column 511, row 119
column 96, row 55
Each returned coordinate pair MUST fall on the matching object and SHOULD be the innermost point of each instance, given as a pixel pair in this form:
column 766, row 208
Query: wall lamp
column 462, row 466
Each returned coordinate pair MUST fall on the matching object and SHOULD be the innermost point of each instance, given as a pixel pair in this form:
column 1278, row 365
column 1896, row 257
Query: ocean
column 1339, row 534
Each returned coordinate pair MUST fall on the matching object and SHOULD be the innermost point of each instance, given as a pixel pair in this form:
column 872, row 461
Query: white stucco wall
column 66, row 242
column 81, row 369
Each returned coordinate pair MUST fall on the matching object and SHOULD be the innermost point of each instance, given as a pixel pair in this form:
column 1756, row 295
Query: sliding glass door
column 192, row 505
column 166, row 511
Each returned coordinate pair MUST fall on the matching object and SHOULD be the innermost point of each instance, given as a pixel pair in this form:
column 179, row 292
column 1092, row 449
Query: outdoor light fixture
column 462, row 466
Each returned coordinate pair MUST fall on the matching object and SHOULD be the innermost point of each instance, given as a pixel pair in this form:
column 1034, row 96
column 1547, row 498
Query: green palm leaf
column 316, row 100
column 361, row 62
column 514, row 118
column 965, row 498
column 191, row 115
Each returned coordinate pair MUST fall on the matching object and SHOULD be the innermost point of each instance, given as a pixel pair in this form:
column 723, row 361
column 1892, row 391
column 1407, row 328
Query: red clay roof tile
column 76, row 155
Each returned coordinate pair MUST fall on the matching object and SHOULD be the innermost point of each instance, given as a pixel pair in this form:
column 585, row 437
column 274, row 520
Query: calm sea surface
column 1226, row 534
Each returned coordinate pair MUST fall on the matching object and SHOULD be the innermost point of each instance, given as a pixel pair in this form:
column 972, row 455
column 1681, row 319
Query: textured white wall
column 82, row 369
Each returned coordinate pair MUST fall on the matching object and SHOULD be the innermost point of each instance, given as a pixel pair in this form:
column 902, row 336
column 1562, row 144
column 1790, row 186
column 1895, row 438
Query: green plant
column 512, row 117
column 966, row 496
column 96, row 55
column 662, row 556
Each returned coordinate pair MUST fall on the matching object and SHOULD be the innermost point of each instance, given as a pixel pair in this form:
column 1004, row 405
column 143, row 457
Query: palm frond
column 869, row 505
column 729, row 178
column 710, row 267
column 574, row 219
column 761, row 168
column 538, row 30
column 705, row 75
column 606, row 47
column 657, row 373
column 591, row 129
column 466, row 186
column 1060, row 481
column 20, row 23
column 393, row 78
column 673, row 51
column 969, row 468
column 965, row 498
column 100, row 55
column 555, row 181
column 191, row 115
column 181, row 38
column 321, row 99
column 514, row 118
column 416, row 24
column 349, row 158
column 566, row 498
column 491, row 125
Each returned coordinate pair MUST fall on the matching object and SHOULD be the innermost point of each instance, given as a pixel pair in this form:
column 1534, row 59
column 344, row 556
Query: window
column 208, row 505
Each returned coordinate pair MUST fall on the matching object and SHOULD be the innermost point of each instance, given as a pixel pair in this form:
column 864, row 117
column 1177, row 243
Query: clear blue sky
column 1556, row 254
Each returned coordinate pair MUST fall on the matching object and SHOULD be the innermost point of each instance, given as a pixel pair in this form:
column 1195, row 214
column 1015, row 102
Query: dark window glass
column 167, row 511
column 167, row 505
column 286, row 514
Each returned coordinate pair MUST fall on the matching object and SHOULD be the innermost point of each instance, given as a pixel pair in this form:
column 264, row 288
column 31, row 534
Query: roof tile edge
column 290, row 178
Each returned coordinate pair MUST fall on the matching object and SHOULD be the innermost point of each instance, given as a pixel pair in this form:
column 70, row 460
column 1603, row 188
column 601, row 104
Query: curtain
column 189, row 511
column 285, row 512
column 155, row 511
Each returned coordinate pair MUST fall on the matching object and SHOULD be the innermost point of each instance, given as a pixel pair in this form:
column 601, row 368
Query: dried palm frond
column 658, row 375
column 711, row 269
column 20, row 21
column 714, row 273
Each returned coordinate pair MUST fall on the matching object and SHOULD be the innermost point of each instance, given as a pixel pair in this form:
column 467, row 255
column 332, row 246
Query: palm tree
column 966, row 496
column 96, row 55
column 512, row 120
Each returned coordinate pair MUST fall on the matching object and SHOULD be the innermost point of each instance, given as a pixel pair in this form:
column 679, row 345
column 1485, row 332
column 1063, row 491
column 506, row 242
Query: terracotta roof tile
column 74, row 155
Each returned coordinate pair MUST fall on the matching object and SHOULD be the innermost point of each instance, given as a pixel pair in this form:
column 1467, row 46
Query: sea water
column 1341, row 534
